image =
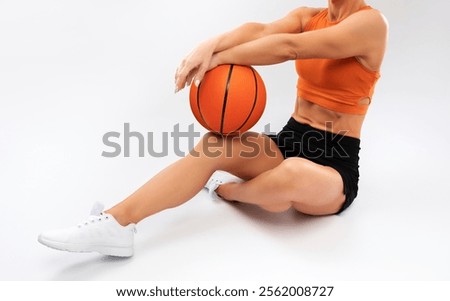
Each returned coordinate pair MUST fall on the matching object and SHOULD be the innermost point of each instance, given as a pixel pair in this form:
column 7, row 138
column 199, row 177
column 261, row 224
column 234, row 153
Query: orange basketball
column 229, row 100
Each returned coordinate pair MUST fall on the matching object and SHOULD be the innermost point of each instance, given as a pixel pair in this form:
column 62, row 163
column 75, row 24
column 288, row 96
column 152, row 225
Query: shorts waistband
column 303, row 128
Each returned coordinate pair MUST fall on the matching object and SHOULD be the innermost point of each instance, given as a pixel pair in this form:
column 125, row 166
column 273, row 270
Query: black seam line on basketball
column 254, row 100
column 225, row 98
column 198, row 107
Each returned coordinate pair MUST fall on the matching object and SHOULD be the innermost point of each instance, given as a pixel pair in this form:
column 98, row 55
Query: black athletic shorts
column 325, row 148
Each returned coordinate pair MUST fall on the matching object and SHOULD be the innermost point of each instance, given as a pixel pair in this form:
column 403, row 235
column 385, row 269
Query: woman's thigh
column 308, row 187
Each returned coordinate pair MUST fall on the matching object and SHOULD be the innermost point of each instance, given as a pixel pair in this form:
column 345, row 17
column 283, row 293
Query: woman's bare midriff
column 321, row 118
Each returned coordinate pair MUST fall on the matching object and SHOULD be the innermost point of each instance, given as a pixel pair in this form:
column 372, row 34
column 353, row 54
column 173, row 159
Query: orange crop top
column 338, row 85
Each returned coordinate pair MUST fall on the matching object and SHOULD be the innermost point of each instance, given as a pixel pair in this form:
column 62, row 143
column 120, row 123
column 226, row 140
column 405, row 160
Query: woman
column 311, row 165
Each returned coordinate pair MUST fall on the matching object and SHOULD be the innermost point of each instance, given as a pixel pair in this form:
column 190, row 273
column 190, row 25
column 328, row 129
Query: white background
column 70, row 71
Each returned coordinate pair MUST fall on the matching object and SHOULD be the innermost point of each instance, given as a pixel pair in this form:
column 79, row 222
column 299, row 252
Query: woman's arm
column 359, row 35
column 194, row 66
column 291, row 23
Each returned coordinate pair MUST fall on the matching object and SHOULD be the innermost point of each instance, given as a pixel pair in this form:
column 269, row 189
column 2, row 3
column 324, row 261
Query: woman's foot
column 99, row 233
column 219, row 178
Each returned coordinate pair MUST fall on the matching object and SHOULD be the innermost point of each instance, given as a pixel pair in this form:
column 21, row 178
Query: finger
column 180, row 79
column 200, row 75
column 179, row 69
column 191, row 77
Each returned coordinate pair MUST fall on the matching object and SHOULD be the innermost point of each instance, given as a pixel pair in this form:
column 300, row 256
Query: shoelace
column 97, row 215
column 92, row 219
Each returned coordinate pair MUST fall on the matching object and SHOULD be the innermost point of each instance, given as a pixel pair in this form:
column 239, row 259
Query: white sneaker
column 99, row 233
column 218, row 178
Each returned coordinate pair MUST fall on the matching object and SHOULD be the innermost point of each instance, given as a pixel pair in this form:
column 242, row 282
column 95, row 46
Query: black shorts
column 324, row 148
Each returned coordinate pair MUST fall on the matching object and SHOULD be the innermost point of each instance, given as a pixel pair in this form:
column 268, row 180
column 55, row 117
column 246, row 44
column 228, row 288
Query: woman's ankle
column 122, row 218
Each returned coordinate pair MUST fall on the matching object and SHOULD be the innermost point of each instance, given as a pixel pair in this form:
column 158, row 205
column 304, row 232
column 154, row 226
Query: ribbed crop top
column 336, row 84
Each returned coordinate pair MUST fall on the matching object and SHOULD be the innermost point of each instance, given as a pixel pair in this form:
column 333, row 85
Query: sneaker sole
column 104, row 250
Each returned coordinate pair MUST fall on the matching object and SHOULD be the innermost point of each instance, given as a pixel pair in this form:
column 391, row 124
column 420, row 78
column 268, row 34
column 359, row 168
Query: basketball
column 229, row 100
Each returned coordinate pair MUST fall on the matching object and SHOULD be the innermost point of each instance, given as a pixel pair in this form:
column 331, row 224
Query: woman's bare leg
column 308, row 187
column 246, row 156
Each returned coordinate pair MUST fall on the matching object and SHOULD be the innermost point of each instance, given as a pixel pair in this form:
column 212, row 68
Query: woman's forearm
column 242, row 34
column 269, row 50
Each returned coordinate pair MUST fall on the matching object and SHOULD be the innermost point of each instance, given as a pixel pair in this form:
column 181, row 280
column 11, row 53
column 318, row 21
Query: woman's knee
column 294, row 169
column 245, row 146
column 210, row 146
column 219, row 152
column 242, row 155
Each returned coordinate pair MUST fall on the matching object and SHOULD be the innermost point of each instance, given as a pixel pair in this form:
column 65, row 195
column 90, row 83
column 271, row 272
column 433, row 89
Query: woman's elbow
column 291, row 51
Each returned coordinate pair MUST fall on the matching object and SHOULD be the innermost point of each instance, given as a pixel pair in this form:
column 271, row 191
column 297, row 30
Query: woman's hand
column 194, row 66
